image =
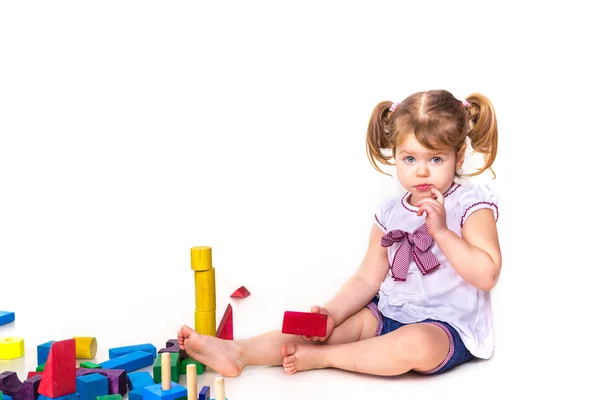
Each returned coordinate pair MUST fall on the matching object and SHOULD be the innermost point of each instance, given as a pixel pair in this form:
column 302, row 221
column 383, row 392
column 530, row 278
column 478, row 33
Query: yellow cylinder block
column 201, row 258
column 206, row 323
column 85, row 347
column 205, row 290
column 12, row 347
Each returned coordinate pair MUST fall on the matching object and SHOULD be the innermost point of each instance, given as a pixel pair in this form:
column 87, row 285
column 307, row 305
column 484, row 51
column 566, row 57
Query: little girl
column 420, row 300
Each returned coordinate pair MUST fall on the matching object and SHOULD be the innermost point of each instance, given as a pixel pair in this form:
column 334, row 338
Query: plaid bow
column 416, row 245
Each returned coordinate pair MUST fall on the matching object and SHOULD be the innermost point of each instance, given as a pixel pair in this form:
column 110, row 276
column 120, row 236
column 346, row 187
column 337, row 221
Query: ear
column 460, row 156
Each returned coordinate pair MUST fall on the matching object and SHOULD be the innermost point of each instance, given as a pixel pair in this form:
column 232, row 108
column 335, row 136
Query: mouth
column 423, row 187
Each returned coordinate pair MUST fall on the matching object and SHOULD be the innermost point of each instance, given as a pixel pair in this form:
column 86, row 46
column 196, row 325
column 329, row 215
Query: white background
column 131, row 131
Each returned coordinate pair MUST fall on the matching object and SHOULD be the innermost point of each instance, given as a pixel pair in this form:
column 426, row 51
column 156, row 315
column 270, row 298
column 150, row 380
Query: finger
column 428, row 208
column 315, row 309
column 438, row 195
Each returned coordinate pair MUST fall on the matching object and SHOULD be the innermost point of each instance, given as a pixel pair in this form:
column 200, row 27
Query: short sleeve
column 476, row 198
column 382, row 213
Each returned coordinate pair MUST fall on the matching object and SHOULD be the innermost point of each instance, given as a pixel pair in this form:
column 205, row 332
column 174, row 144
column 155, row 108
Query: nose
column 422, row 170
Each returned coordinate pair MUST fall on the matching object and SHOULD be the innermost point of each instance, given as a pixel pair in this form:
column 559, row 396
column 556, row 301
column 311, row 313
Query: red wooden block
column 303, row 323
column 58, row 378
column 241, row 292
column 225, row 330
column 34, row 373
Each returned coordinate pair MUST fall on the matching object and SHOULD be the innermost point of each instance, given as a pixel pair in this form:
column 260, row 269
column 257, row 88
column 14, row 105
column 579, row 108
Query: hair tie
column 465, row 103
column 393, row 107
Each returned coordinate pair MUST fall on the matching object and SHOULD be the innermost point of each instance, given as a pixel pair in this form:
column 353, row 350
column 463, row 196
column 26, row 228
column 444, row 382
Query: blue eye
column 409, row 159
column 436, row 160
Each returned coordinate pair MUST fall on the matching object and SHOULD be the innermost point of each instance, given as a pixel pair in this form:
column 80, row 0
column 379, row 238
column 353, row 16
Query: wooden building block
column 155, row 392
column 201, row 258
column 241, row 292
column 129, row 362
column 225, row 330
column 110, row 397
column 303, row 323
column 11, row 385
column 204, row 393
column 205, row 322
column 174, row 371
column 121, row 351
column 40, row 368
column 85, row 347
column 59, row 377
column 117, row 378
column 12, row 347
column 190, row 361
column 6, row 317
column 172, row 346
column 88, row 364
column 91, row 386
column 136, row 394
column 139, row 379
column 33, row 373
column 205, row 290
column 70, row 396
column 42, row 352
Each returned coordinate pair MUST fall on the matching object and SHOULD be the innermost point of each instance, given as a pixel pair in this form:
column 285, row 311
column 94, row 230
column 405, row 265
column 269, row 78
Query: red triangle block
column 241, row 292
column 58, row 378
column 225, row 330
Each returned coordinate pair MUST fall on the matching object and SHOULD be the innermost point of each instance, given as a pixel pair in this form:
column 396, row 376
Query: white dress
column 440, row 294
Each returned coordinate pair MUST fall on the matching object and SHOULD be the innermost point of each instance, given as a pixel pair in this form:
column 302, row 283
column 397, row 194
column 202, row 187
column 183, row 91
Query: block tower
column 204, row 277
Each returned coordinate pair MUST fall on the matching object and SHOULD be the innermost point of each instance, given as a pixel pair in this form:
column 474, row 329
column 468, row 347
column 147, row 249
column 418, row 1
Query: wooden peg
column 165, row 370
column 192, row 382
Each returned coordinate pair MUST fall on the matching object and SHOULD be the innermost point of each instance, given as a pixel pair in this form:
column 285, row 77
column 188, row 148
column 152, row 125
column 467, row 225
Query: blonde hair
column 438, row 120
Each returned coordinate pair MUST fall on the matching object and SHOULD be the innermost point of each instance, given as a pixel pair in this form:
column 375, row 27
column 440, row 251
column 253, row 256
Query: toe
column 290, row 349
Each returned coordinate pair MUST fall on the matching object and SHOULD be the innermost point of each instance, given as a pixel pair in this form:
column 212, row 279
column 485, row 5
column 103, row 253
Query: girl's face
column 419, row 169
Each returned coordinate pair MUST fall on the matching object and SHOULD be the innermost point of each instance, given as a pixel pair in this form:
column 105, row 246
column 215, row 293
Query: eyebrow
column 429, row 152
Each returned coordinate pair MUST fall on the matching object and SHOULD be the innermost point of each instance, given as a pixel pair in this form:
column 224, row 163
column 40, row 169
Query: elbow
column 490, row 279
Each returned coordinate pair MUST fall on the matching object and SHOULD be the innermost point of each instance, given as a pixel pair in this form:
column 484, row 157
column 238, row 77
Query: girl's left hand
column 436, row 213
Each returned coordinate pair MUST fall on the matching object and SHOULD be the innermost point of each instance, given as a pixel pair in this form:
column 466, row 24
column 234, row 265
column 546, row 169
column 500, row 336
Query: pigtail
column 483, row 130
column 379, row 135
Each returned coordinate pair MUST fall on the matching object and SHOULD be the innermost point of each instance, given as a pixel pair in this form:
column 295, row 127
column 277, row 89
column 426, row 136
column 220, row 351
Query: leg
column 419, row 347
column 230, row 357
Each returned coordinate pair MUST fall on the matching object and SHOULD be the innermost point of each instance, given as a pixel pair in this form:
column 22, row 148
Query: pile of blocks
column 60, row 379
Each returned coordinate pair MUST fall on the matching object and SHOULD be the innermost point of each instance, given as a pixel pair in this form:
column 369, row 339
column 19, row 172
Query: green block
column 40, row 368
column 110, row 397
column 87, row 364
column 189, row 360
column 175, row 362
column 1, row 396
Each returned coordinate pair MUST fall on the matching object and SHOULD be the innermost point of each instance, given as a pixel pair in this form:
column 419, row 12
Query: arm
column 476, row 257
column 359, row 289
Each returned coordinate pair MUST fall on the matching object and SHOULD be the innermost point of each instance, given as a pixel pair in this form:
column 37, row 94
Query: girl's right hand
column 330, row 325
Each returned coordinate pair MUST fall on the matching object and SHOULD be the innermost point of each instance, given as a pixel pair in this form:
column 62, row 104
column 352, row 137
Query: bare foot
column 223, row 356
column 302, row 357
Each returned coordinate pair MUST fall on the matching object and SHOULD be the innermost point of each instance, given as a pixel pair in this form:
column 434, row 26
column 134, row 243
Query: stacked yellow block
column 204, row 278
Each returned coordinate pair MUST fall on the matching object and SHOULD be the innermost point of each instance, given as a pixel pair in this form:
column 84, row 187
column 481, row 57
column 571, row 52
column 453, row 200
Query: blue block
column 7, row 397
column 140, row 379
column 121, row 351
column 137, row 394
column 92, row 385
column 42, row 352
column 129, row 362
column 155, row 392
column 6, row 317
column 72, row 396
column 204, row 393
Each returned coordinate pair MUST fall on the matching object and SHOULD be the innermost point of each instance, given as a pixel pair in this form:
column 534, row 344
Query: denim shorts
column 457, row 354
